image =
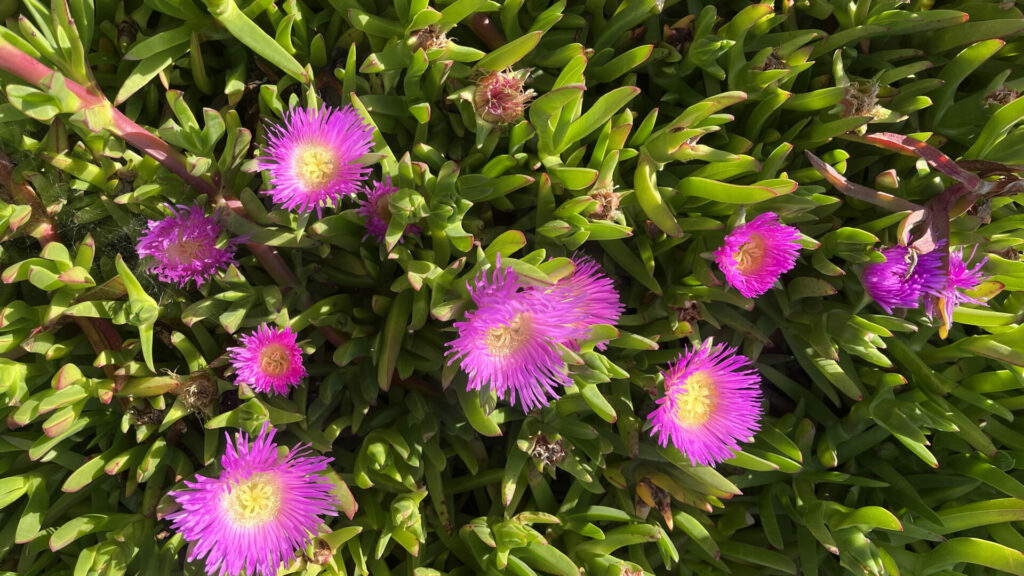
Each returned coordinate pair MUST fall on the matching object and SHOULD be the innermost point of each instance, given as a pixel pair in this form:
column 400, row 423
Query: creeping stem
column 32, row 71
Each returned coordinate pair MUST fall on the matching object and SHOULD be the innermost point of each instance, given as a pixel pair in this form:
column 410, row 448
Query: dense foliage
column 637, row 133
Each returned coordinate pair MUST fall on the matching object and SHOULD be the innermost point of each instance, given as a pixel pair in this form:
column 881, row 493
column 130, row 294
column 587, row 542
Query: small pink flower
column 756, row 254
column 313, row 157
column 260, row 511
column 376, row 211
column 269, row 360
column 186, row 246
column 711, row 402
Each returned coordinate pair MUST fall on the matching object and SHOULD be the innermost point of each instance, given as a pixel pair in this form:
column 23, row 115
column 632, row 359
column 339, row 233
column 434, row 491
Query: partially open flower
column 711, row 402
column 260, row 511
column 376, row 210
column 959, row 277
column 903, row 278
column 500, row 97
column 186, row 246
column 313, row 157
column 269, row 360
column 755, row 255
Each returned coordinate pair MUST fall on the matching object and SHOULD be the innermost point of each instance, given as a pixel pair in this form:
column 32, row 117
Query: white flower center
column 254, row 501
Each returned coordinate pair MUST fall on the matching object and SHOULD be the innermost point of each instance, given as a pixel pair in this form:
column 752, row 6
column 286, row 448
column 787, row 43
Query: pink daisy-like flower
column 376, row 211
column 590, row 294
column 186, row 246
column 313, row 157
column 268, row 360
column 260, row 511
column 711, row 402
column 756, row 254
column 903, row 278
column 509, row 341
column 959, row 277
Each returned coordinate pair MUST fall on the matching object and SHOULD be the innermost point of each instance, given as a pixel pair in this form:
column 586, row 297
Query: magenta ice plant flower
column 959, row 277
column 509, row 342
column 269, row 360
column 756, row 254
column 712, row 402
column 589, row 294
column 376, row 210
column 261, row 510
column 186, row 246
column 903, row 278
column 313, row 157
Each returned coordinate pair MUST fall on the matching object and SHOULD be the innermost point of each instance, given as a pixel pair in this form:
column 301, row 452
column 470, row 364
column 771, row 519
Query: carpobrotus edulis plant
column 260, row 510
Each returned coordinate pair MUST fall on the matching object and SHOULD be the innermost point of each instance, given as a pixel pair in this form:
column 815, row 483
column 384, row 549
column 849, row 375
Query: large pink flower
column 313, row 157
column 269, row 360
column 508, row 343
column 711, row 403
column 260, row 511
column 186, row 246
column 756, row 254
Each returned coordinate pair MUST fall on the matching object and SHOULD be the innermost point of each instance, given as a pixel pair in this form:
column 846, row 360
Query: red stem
column 39, row 75
column 487, row 31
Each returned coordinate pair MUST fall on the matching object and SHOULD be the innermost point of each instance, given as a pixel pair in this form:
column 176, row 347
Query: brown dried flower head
column 323, row 552
column 547, row 452
column 1001, row 96
column 861, row 99
column 680, row 34
column 145, row 414
column 429, row 38
column 689, row 312
column 199, row 392
column 607, row 204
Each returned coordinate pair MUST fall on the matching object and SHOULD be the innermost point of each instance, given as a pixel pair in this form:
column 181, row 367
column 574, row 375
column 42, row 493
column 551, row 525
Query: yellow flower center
column 694, row 406
column 315, row 166
column 749, row 256
column 254, row 501
column 504, row 340
column 184, row 251
column 274, row 360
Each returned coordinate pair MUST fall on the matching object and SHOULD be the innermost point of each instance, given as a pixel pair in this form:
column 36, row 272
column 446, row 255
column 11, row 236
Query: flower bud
column 500, row 97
